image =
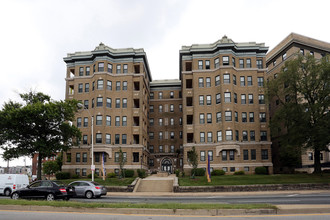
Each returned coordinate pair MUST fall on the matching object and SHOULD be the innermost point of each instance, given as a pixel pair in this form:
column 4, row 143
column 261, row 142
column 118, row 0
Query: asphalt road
column 313, row 198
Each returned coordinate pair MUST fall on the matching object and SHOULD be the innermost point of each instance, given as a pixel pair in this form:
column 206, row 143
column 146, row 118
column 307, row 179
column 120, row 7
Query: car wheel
column 15, row 196
column 50, row 197
column 89, row 194
column 7, row 192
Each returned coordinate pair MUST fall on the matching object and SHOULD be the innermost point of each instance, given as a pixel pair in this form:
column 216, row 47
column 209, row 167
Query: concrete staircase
column 156, row 183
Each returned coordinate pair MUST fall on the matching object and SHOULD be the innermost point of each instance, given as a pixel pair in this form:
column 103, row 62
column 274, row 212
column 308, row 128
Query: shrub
column 129, row 173
column 74, row 176
column 141, row 173
column 261, row 170
column 90, row 175
column 177, row 173
column 239, row 172
column 217, row 173
column 111, row 175
column 62, row 175
column 183, row 174
column 198, row 172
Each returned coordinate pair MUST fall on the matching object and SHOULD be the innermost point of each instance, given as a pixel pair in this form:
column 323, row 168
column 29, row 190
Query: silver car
column 88, row 189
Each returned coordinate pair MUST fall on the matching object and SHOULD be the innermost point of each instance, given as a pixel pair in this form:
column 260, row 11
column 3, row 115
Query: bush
column 141, row 173
column 183, row 174
column 90, row 175
column 111, row 175
column 74, row 176
column 177, row 173
column 198, row 172
column 239, row 172
column 62, row 175
column 218, row 173
column 261, row 170
column 129, row 173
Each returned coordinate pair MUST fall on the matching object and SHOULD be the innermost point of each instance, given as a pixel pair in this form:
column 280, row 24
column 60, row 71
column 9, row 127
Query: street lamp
column 92, row 165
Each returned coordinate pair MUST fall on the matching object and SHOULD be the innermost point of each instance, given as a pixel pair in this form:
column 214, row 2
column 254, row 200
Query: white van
column 12, row 182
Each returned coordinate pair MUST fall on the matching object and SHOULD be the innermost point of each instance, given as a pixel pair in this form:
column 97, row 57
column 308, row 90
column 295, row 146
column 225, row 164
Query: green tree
column 39, row 126
column 193, row 160
column 122, row 161
column 59, row 160
column 301, row 120
column 50, row 167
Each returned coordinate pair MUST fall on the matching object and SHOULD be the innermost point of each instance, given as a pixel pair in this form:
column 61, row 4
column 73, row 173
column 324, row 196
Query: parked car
column 88, row 189
column 45, row 189
column 12, row 182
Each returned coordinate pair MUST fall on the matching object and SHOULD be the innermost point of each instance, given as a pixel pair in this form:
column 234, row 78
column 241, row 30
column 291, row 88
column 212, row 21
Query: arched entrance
column 167, row 165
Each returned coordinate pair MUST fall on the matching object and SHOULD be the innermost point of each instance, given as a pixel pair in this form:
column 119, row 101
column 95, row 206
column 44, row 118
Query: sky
column 35, row 35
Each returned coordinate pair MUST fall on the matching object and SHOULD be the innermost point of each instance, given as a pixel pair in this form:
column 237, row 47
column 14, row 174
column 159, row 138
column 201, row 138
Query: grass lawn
column 135, row 205
column 255, row 179
column 107, row 182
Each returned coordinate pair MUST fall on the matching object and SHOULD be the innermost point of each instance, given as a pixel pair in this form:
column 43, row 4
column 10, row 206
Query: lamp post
column 92, row 127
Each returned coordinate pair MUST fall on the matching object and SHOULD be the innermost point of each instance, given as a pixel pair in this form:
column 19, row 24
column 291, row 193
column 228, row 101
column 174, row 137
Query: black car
column 45, row 189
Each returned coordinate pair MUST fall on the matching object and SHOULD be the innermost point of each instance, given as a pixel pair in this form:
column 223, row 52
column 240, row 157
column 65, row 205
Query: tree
column 301, row 119
column 50, row 167
column 122, row 161
column 193, row 160
column 39, row 126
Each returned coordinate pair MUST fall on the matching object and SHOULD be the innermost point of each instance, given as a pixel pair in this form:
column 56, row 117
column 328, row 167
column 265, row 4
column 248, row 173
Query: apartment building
column 288, row 49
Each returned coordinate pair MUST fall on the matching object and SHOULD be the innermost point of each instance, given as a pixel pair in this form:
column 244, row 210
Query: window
column 151, row 107
column 172, row 134
column 151, row 122
column 229, row 135
column 180, row 107
column 117, row 138
column 93, row 103
column 160, row 95
column 236, row 116
column 86, row 104
column 218, row 116
column 201, row 118
column 99, row 102
column 180, row 120
column 216, row 63
column 218, row 98
column 231, row 155
column 259, row 64
column 245, row 135
column 260, row 81
column 85, row 139
column 274, row 63
column 151, row 135
column 118, row 86
column 160, row 108
column 124, row 103
column 249, row 80
column 171, row 94
column 108, row 138
column 244, row 117
column 208, row 100
column 226, row 78
column 284, row 56
column 207, row 64
column 252, row 136
column 237, row 135
column 233, row 61
column 160, row 122
column 100, row 84
column 108, row 102
column 160, row 149
column 117, row 103
column 262, row 116
column 80, row 87
column 109, row 68
column 232, row 169
column 251, row 117
column 235, row 98
column 201, row 100
column 87, row 70
column 209, row 137
column 202, row 137
column 100, row 67
column 87, row 87
column 117, row 121
column 79, row 122
column 171, row 108
column 99, row 120
column 202, row 155
column 172, row 121
column 264, row 154
column 209, row 118
column 250, row 96
column 248, row 63
column 116, row 156
column 228, row 115
column 99, row 138
column 210, row 155
column 151, row 95
column 108, row 120
column 219, row 136
column 311, row 53
column 225, row 60
column 261, row 98
column 253, row 154
column 151, row 148
column 224, row 155
column 160, row 135
column 118, row 69
column 227, row 97
column 200, row 82
column 124, row 121
column 124, row 139
column 208, row 82
column 217, row 80
column 263, row 135
column 242, row 80
column 85, row 122
column 77, row 157
column 109, row 85
column 125, row 68
column 241, row 63
column 125, row 85
column 310, row 156
column 200, row 64
column 243, row 99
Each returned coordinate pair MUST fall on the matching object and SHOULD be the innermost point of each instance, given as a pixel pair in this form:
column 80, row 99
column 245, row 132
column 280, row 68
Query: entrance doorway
column 167, row 165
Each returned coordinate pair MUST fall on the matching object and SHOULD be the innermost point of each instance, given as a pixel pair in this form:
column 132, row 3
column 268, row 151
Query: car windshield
column 96, row 184
column 58, row 183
